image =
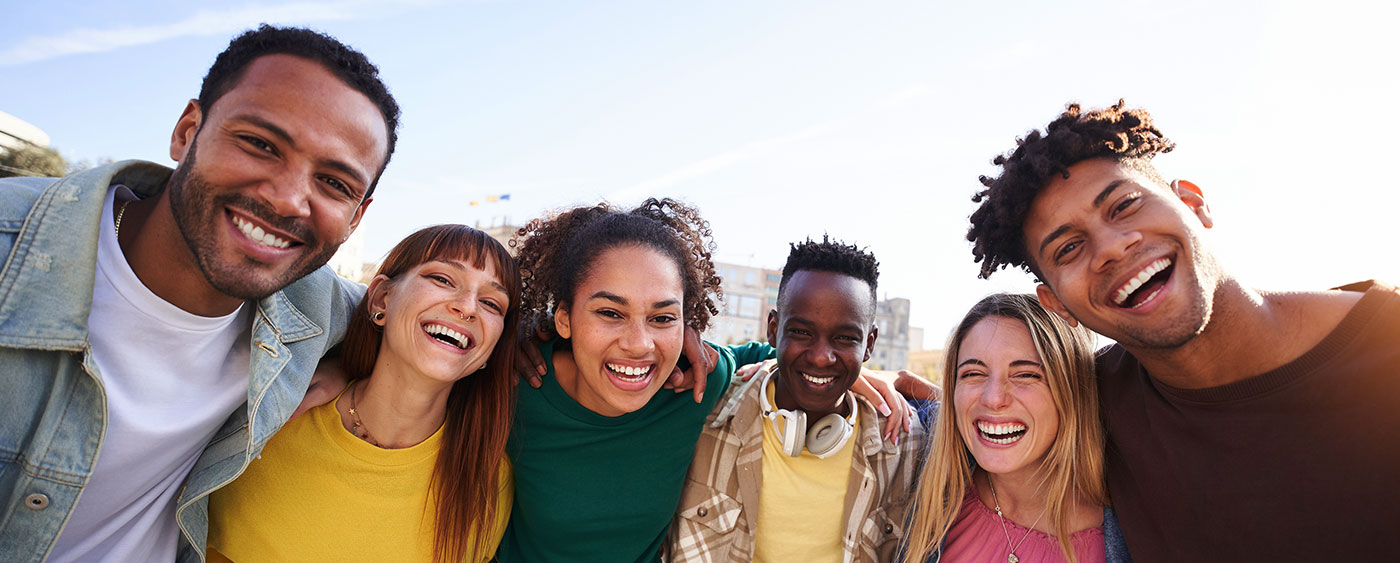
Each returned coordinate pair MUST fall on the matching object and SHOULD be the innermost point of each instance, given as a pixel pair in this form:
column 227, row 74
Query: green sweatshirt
column 590, row 487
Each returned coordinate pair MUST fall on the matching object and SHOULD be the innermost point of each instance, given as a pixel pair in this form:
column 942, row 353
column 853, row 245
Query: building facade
column 749, row 293
column 892, row 345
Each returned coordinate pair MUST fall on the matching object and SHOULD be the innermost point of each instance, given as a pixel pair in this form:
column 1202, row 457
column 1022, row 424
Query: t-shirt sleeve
column 751, row 353
column 732, row 358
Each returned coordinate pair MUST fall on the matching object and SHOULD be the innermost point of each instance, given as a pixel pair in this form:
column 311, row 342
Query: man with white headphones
column 792, row 466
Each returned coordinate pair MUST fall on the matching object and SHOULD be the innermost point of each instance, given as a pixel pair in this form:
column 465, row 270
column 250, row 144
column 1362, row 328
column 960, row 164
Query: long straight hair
column 465, row 482
column 1074, row 465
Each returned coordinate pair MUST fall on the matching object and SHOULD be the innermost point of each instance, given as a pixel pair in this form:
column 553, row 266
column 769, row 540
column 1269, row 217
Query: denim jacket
column 53, row 406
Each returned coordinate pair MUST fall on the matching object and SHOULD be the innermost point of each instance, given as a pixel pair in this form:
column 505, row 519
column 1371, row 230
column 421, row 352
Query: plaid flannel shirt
column 719, row 506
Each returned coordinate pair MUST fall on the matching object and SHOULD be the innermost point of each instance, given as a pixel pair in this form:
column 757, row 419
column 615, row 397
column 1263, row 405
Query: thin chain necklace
column 357, row 426
column 1011, row 552
column 120, row 213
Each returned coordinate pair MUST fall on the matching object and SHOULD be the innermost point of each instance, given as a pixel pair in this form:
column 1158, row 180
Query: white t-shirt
column 171, row 379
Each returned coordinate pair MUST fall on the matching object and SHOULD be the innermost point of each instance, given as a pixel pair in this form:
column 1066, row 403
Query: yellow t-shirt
column 802, row 500
column 318, row 493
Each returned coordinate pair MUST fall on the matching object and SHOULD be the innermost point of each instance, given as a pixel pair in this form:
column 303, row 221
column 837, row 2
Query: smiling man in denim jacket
column 158, row 326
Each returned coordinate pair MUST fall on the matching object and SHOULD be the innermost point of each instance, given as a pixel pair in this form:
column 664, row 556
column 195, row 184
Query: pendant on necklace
column 1011, row 558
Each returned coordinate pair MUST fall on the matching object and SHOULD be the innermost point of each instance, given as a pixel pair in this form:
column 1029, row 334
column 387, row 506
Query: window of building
column 748, row 306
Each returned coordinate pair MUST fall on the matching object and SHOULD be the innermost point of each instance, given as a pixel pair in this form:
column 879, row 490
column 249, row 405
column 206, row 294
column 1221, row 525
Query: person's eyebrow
column 1098, row 200
column 972, row 361
column 1107, row 191
column 1032, row 363
column 282, row 134
column 609, row 296
column 463, row 266
column 845, row 327
column 620, row 300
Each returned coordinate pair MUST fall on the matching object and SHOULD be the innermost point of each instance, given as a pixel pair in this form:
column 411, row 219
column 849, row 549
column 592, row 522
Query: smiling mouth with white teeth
column 448, row 335
column 1145, row 285
column 258, row 235
column 628, row 373
column 818, row 381
column 1001, row 432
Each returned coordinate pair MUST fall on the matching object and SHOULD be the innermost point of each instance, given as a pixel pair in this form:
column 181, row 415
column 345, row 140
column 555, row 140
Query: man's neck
column 158, row 255
column 1249, row 333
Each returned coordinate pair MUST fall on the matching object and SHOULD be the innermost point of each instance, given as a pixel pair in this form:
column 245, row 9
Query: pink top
column 977, row 535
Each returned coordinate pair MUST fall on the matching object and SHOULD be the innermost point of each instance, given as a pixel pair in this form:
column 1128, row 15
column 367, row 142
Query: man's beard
column 198, row 214
column 1201, row 283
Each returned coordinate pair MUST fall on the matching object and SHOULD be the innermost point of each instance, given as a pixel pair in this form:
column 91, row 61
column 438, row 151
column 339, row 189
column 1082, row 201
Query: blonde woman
column 1015, row 469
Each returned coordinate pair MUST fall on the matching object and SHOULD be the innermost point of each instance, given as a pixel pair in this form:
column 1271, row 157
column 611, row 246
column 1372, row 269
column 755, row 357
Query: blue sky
column 782, row 120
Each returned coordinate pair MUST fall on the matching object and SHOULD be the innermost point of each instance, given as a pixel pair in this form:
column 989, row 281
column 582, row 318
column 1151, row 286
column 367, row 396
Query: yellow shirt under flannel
column 802, row 499
column 719, row 505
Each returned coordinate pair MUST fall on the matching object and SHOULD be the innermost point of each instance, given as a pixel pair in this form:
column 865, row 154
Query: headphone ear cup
column 793, row 431
column 828, row 435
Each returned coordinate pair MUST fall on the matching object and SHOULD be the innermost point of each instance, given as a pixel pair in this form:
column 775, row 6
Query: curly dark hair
column 831, row 256
column 1125, row 135
column 345, row 63
column 555, row 253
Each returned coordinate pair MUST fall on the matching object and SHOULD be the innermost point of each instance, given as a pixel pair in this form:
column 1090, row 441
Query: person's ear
column 1194, row 198
column 561, row 320
column 182, row 138
column 1052, row 304
column 773, row 328
column 377, row 298
column 870, row 341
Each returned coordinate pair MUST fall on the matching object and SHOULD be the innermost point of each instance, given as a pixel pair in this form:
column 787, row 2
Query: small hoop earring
column 377, row 316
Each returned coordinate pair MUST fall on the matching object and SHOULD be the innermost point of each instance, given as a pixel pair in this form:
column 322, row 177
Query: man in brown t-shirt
column 1243, row 425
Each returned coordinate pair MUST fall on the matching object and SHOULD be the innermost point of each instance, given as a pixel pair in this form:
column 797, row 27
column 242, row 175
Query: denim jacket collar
column 57, row 245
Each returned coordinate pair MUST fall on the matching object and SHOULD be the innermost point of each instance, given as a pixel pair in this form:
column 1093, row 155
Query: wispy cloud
column 40, row 48
column 758, row 148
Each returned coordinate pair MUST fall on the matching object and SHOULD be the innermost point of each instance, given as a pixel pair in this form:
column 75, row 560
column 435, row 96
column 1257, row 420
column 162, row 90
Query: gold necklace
column 120, row 213
column 358, row 427
column 1011, row 554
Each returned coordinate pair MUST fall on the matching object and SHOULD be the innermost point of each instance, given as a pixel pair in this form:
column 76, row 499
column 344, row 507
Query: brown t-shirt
column 1298, row 464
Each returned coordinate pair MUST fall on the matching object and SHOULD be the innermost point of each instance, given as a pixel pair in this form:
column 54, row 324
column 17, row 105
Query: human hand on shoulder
column 880, row 388
column 747, row 372
column 529, row 363
column 702, row 361
column 329, row 379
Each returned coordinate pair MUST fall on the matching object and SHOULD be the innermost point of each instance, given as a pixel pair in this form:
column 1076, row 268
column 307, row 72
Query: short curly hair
column 1125, row 135
column 347, row 64
column 831, row 256
column 556, row 253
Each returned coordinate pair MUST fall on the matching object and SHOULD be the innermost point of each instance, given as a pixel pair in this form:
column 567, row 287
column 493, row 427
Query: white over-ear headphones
column 825, row 438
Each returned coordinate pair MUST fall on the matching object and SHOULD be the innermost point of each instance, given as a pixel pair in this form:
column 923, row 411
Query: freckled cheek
column 669, row 343
column 491, row 333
